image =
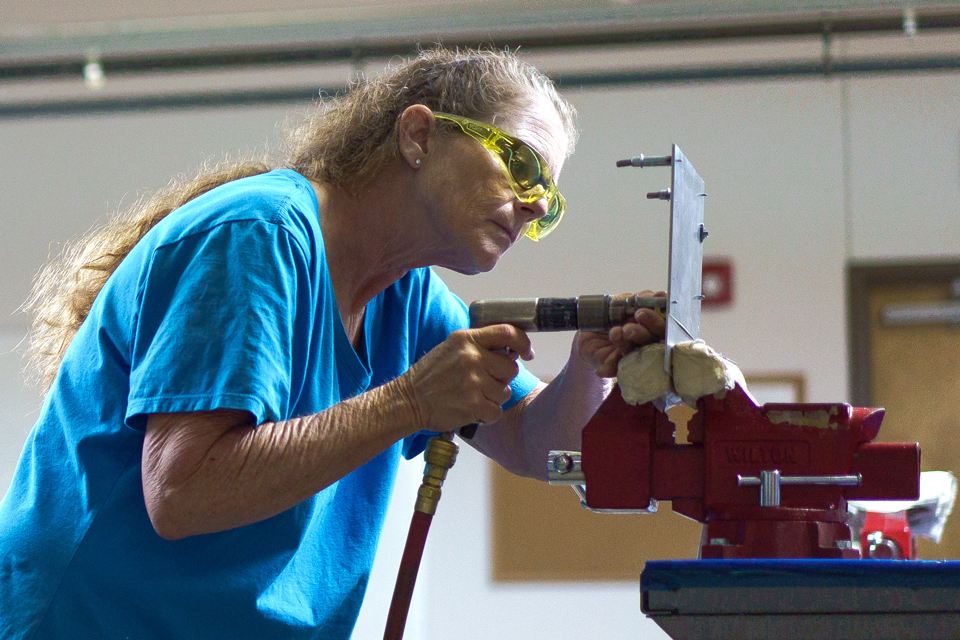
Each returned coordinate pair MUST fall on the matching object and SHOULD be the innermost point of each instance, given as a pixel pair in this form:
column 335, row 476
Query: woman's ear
column 416, row 127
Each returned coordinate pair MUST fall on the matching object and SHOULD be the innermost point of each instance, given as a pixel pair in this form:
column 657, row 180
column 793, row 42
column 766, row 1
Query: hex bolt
column 663, row 194
column 563, row 463
column 703, row 233
column 646, row 161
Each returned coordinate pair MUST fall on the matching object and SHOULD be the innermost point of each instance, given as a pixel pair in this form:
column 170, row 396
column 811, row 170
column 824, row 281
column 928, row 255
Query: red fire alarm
column 717, row 282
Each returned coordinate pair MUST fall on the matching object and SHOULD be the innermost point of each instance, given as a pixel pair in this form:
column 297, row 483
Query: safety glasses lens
column 525, row 166
column 542, row 227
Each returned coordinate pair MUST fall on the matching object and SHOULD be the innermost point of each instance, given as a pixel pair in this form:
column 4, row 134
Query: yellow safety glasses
column 525, row 169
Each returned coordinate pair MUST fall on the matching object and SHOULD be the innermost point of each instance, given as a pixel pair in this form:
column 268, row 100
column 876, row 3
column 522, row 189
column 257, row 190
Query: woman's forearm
column 210, row 471
column 551, row 417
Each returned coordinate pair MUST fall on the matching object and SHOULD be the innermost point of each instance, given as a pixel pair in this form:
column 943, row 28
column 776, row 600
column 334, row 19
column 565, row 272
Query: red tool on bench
column 767, row 481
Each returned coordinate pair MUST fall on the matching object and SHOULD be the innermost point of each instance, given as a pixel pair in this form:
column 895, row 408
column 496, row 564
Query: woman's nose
column 531, row 211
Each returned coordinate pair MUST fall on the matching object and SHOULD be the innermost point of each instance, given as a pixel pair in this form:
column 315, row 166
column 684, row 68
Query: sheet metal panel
column 686, row 254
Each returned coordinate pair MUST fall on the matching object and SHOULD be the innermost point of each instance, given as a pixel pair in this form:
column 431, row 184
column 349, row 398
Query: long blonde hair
column 345, row 142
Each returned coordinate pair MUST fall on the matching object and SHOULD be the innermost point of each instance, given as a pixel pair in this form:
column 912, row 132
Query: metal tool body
column 582, row 313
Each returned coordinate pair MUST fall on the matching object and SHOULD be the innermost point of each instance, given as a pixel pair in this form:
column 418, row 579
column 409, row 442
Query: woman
column 254, row 350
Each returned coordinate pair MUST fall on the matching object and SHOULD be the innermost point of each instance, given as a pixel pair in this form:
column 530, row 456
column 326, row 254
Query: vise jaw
column 766, row 481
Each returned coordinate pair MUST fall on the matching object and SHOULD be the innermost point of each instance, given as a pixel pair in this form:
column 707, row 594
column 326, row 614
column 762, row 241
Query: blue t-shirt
column 226, row 303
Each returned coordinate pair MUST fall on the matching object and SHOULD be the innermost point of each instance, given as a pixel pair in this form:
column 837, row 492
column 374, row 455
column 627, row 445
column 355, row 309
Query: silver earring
column 417, row 162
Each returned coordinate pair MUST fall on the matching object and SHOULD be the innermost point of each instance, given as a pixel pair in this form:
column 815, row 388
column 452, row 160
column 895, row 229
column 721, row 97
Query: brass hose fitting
column 440, row 455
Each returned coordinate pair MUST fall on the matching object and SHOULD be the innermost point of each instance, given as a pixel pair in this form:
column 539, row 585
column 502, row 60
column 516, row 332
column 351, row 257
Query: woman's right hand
column 466, row 378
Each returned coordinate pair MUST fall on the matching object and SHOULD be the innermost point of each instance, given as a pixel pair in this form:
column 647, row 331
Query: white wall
column 904, row 186
column 59, row 176
column 19, row 404
column 801, row 175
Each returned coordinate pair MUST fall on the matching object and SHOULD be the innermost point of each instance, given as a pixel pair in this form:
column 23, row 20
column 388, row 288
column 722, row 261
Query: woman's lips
column 510, row 234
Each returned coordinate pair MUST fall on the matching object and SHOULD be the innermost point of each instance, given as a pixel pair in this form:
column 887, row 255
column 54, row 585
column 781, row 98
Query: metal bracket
column 686, row 255
column 687, row 234
column 581, row 492
column 563, row 467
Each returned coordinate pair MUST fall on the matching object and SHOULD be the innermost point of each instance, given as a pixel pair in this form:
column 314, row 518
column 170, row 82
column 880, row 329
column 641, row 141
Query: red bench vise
column 767, row 481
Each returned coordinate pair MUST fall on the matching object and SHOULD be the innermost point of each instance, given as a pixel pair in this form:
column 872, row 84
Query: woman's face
column 477, row 213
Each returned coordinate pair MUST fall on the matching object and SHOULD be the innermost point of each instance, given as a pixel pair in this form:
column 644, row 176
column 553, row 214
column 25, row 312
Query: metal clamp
column 770, row 481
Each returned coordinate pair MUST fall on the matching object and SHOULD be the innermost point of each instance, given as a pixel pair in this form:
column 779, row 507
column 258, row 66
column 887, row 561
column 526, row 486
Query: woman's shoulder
column 281, row 198
column 272, row 195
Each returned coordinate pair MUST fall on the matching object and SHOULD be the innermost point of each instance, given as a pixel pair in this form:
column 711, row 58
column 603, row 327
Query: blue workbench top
column 671, row 575
column 803, row 599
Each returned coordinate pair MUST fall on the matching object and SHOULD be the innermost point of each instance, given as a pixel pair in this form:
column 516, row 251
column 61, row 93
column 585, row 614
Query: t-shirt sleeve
column 216, row 325
column 441, row 313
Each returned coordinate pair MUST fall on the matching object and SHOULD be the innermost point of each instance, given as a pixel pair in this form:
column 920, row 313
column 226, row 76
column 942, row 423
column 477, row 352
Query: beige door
column 915, row 375
column 542, row 533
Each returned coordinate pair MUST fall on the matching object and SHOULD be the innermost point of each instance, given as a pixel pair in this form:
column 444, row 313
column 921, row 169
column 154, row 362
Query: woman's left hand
column 602, row 351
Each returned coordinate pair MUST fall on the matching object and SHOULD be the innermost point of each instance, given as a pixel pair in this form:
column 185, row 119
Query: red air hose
column 440, row 455
column 407, row 576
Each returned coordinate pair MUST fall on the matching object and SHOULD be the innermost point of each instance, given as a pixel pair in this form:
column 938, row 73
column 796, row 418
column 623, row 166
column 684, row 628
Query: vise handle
column 770, row 481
